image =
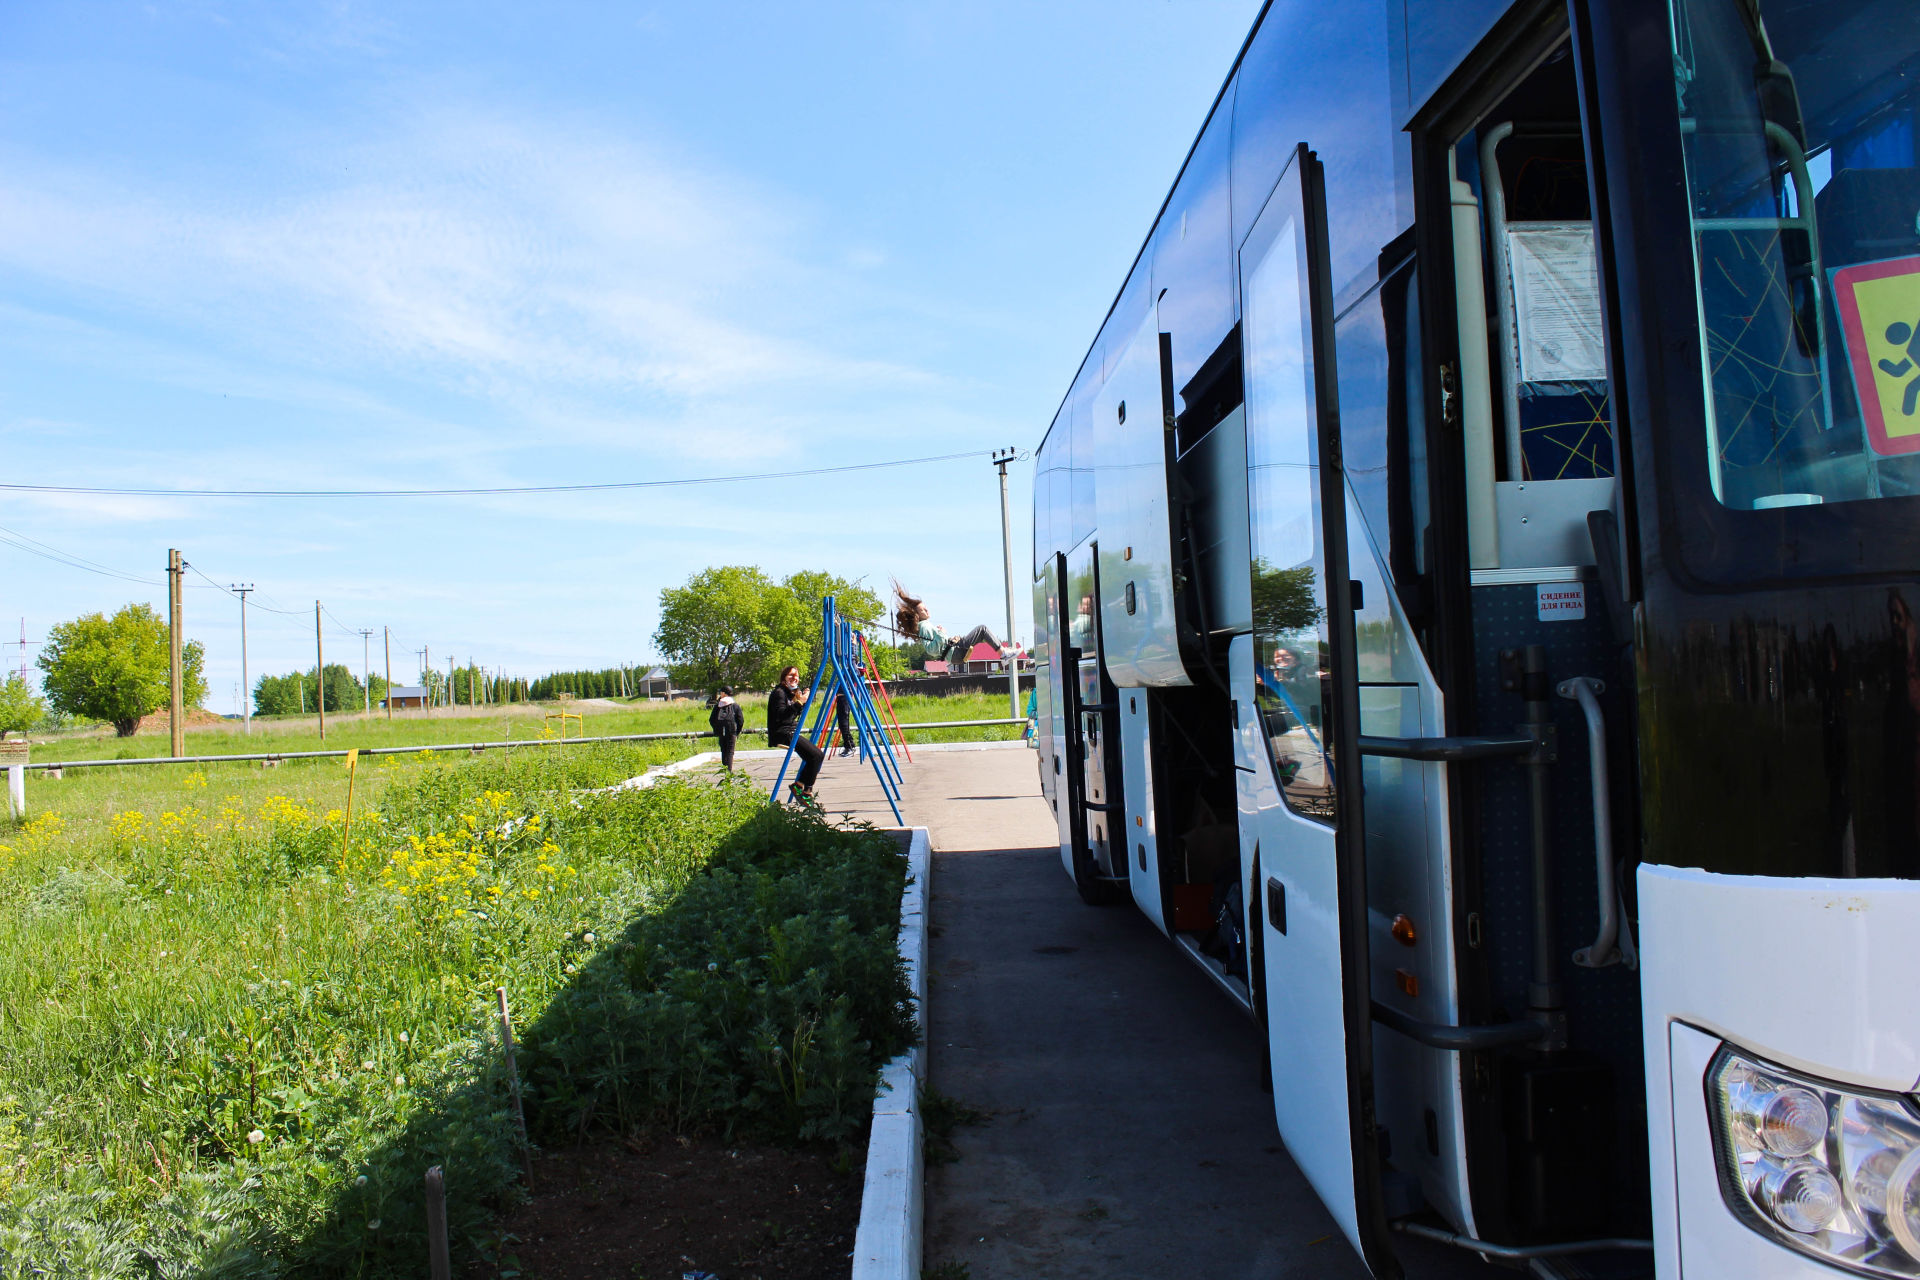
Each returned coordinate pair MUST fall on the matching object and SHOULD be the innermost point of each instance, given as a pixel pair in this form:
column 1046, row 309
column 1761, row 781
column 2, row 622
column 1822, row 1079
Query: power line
column 491, row 492
column 291, row 613
column 34, row 547
column 352, row 631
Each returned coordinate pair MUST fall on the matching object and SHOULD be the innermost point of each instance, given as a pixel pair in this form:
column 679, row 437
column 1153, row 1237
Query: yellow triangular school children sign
column 1879, row 304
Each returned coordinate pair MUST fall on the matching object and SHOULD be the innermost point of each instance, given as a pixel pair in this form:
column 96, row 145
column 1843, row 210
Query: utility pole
column 386, row 635
column 246, row 706
column 1001, row 457
column 176, row 712
column 449, row 682
column 320, row 671
column 426, row 671
column 366, row 673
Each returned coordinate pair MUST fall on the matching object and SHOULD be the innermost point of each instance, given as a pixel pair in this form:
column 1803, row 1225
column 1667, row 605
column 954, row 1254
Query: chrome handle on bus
column 1604, row 951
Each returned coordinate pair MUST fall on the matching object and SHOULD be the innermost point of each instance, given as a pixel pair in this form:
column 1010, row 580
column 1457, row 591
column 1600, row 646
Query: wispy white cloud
column 467, row 294
column 517, row 261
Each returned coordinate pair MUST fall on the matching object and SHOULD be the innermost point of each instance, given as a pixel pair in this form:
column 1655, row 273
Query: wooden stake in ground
column 176, row 710
column 320, row 670
column 513, row 1082
column 353, row 767
column 439, row 1259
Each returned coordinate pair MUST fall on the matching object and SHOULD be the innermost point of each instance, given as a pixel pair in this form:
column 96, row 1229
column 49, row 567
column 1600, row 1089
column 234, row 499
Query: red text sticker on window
column 1879, row 305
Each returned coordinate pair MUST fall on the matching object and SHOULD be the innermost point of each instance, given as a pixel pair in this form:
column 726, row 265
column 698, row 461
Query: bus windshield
column 1798, row 123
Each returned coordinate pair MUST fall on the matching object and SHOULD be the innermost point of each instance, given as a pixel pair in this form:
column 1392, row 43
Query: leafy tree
column 719, row 629
column 798, row 627
column 888, row 659
column 20, row 707
column 115, row 669
column 296, row 692
column 287, row 695
column 1283, row 599
column 734, row 625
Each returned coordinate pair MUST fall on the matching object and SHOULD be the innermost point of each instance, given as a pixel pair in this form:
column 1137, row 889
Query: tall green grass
column 236, row 1036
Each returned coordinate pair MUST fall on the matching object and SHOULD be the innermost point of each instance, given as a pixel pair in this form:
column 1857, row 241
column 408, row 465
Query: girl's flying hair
column 906, row 615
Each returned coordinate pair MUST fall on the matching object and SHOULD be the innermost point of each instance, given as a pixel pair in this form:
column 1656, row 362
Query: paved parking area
column 1128, row 1133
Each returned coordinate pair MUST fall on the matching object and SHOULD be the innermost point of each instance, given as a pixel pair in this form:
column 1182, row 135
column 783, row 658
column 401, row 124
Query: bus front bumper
column 1813, row 976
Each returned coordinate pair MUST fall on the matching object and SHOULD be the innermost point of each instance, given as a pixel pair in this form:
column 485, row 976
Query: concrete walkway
column 1128, row 1134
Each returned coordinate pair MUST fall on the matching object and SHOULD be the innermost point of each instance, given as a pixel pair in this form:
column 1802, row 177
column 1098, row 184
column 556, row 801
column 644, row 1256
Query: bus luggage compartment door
column 1139, row 831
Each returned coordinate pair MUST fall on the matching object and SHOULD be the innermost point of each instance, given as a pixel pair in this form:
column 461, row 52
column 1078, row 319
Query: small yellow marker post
column 353, row 767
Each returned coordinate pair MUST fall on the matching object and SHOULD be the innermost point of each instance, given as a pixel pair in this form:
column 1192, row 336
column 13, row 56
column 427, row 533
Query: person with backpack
column 727, row 721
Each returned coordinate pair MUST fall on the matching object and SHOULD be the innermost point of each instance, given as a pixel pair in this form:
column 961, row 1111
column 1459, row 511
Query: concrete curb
column 646, row 780
column 890, row 1239
column 1003, row 744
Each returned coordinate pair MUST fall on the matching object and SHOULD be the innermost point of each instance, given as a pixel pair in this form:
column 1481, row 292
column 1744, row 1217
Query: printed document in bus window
column 1556, row 302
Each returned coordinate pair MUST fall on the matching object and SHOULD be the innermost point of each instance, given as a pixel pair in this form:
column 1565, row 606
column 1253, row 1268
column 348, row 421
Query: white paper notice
column 1561, row 601
column 1556, row 302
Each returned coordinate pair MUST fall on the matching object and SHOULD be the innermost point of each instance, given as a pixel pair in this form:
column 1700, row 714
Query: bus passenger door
column 1098, row 870
column 1297, row 709
column 1061, row 676
column 1046, row 620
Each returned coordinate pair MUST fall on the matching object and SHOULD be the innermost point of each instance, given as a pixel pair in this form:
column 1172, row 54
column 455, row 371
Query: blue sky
column 343, row 246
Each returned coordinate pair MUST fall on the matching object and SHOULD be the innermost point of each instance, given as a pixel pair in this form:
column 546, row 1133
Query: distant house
column 407, row 697
column 655, row 684
column 984, row 657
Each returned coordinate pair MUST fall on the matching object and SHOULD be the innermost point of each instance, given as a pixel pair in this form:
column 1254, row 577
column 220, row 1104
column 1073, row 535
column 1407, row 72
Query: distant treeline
column 609, row 682
column 298, row 692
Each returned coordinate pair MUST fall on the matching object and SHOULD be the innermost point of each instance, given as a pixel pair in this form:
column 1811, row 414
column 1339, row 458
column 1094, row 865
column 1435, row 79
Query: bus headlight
column 1829, row 1171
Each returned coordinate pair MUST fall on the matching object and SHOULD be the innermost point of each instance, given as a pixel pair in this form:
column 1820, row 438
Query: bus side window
column 1382, row 418
column 1288, row 587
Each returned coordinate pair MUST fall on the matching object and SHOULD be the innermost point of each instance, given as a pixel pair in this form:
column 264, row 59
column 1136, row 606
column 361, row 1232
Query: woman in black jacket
column 728, row 722
column 785, row 705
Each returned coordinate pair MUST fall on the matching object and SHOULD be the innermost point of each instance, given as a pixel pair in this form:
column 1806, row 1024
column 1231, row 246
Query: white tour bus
column 1476, row 575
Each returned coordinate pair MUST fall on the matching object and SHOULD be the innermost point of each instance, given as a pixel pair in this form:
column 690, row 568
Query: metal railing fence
column 460, row 746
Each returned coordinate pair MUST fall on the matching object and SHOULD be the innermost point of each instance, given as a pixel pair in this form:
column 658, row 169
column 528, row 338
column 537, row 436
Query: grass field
column 237, row 1031
column 86, row 800
column 237, row 1034
column 526, row 723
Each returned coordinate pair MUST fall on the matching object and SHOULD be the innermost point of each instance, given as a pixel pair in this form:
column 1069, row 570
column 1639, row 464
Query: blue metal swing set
column 840, row 652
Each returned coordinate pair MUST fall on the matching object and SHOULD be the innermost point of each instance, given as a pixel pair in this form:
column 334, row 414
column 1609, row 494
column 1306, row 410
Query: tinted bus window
column 1798, row 124
column 1080, row 484
column 1382, row 429
column 1289, row 602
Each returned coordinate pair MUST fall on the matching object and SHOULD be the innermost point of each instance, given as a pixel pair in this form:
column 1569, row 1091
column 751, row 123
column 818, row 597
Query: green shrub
column 238, row 1036
column 761, row 1001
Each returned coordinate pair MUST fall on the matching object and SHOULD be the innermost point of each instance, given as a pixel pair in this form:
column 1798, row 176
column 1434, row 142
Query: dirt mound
column 196, row 718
